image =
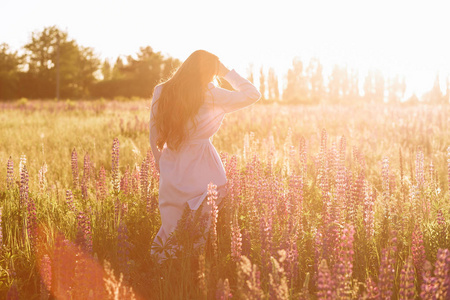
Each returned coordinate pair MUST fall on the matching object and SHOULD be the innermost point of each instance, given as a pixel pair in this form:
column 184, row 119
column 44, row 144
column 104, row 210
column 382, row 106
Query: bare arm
column 244, row 95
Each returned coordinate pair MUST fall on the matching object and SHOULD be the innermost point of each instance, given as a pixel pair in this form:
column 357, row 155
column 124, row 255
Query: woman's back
column 186, row 172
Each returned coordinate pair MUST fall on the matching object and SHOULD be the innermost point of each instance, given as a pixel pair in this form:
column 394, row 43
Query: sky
column 406, row 38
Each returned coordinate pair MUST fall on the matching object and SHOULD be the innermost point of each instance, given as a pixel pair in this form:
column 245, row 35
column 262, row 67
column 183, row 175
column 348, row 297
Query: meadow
column 324, row 202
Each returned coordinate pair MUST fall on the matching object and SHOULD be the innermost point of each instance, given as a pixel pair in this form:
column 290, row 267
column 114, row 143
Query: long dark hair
column 181, row 97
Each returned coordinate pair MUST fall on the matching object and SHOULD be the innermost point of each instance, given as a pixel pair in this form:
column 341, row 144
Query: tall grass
column 323, row 203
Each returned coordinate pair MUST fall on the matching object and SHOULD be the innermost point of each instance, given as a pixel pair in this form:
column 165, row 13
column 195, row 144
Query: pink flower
column 115, row 166
column 407, row 286
column 325, row 282
column 101, row 184
column 74, row 163
column 236, row 241
column 418, row 250
column 23, row 186
column 10, row 174
column 211, row 200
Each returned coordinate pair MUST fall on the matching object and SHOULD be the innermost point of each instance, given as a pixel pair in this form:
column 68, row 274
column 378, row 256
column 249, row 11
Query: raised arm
column 153, row 131
column 244, row 95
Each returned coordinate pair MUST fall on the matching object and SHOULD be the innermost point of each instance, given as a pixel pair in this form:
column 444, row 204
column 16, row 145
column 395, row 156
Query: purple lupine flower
column 407, row 287
column 341, row 184
column 115, row 166
column 22, row 162
column 23, row 186
column 233, row 181
column 236, row 241
column 418, row 250
column 125, row 182
column 347, row 251
column 211, row 201
column 428, row 287
column 318, row 250
column 369, row 212
column 135, row 181
column 223, row 291
column 45, row 271
column 385, row 183
column 265, row 227
column 148, row 198
column 442, row 274
column 10, row 174
column 250, row 275
column 372, row 292
column 333, row 160
column 342, row 269
column 295, row 194
column 74, row 163
column 437, row 286
column 291, row 262
column 440, row 218
column 246, row 242
column 420, row 170
column 123, row 249
column 101, row 184
column 31, row 222
column 303, row 150
column 144, row 180
column 69, row 201
column 84, row 237
column 448, row 169
column 323, row 161
column 386, row 275
column 86, row 180
column 325, row 282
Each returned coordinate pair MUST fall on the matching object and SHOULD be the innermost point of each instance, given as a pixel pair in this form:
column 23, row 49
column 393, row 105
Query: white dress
column 186, row 173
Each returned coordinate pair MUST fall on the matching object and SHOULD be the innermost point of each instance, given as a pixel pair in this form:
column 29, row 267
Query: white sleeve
column 244, row 95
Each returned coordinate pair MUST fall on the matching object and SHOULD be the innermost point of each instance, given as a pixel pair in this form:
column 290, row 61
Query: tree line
column 53, row 65
column 306, row 84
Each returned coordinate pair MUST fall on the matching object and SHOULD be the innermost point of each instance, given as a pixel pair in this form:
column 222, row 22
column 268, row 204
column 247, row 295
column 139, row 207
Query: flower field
column 324, row 202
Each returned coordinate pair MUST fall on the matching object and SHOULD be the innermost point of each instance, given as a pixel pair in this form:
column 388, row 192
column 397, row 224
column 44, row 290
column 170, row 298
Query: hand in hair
column 222, row 70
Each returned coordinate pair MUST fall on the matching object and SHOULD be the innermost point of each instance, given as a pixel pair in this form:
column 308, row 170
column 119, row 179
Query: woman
column 186, row 111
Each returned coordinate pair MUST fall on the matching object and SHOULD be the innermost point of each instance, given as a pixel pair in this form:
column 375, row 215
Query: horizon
column 366, row 37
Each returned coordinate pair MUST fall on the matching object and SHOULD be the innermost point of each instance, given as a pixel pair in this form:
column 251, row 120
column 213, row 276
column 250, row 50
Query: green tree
column 272, row 85
column 374, row 87
column 296, row 90
column 339, row 85
column 314, row 73
column 44, row 52
column 137, row 76
column 106, row 70
column 435, row 95
column 9, row 72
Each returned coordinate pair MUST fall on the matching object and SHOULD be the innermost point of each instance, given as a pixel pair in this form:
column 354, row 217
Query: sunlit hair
column 181, row 97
